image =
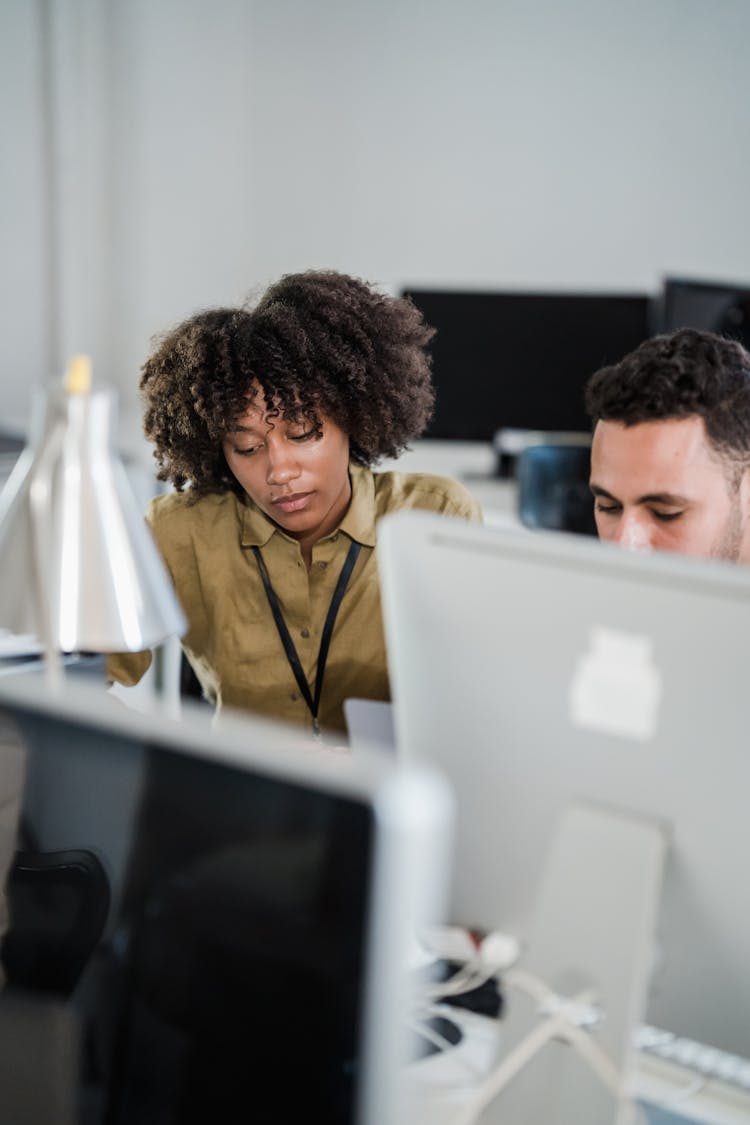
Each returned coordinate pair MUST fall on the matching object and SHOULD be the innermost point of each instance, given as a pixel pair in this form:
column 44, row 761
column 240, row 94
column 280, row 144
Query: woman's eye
column 304, row 436
column 247, row 452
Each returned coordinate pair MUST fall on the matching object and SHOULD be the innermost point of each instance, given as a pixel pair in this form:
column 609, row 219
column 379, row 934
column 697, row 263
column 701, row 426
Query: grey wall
column 164, row 155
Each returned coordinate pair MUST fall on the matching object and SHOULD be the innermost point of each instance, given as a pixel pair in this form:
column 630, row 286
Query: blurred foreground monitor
column 223, row 913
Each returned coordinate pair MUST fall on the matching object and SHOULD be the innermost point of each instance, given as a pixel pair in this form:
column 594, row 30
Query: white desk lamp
column 78, row 567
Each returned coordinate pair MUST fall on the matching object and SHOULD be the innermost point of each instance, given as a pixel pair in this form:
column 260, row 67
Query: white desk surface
column 472, row 463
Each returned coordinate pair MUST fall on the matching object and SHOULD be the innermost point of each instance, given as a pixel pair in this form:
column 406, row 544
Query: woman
column 267, row 421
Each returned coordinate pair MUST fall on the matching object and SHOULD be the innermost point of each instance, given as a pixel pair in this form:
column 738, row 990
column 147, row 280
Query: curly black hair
column 318, row 342
column 684, row 373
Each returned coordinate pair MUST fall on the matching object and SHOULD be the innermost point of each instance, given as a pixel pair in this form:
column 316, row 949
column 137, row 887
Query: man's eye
column 608, row 509
column 666, row 517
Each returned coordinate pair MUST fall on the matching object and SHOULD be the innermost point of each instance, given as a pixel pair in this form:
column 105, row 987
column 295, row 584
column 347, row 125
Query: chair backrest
column 58, row 903
column 553, row 488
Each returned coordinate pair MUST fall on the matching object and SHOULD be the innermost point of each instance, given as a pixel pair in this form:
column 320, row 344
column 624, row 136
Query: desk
column 473, row 463
column 28, row 658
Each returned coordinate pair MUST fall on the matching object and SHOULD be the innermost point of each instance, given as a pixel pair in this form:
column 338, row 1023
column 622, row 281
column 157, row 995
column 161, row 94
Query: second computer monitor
column 520, row 360
column 721, row 307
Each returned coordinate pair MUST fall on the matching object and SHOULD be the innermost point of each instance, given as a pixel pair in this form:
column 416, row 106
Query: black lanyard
column 291, row 653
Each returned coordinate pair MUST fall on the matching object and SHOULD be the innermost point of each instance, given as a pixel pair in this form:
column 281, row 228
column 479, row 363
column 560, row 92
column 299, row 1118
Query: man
column 671, row 446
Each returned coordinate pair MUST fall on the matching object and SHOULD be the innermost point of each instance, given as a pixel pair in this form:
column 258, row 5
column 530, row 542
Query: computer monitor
column 721, row 307
column 539, row 669
column 259, row 900
column 520, row 360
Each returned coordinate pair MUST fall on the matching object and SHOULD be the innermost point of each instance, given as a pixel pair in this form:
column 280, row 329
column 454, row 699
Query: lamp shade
column 78, row 566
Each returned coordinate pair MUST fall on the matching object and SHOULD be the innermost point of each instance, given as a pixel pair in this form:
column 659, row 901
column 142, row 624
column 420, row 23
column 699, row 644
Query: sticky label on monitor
column 616, row 688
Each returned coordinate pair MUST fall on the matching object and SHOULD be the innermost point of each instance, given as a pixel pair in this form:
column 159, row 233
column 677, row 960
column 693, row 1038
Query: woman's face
column 300, row 480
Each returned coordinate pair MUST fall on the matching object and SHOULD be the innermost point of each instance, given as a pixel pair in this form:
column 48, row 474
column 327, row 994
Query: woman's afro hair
column 316, row 343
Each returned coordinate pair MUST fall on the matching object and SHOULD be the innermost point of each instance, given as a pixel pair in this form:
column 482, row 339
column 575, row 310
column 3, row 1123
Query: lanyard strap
column 313, row 702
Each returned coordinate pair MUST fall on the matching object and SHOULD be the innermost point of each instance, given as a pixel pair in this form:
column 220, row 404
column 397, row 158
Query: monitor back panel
column 537, row 669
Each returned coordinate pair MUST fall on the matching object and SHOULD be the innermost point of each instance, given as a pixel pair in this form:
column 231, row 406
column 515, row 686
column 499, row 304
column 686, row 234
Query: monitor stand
column 591, row 942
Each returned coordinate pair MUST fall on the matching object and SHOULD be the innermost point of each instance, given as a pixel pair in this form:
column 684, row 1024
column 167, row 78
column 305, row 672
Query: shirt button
column 304, row 633
column 294, row 697
column 322, row 565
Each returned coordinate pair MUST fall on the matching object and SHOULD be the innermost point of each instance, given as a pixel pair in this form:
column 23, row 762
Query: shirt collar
column 358, row 522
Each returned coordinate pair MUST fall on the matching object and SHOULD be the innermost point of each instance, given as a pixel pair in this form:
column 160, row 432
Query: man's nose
column 633, row 532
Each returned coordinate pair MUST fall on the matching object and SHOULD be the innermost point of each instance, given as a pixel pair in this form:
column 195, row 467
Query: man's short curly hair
column 687, row 372
column 318, row 342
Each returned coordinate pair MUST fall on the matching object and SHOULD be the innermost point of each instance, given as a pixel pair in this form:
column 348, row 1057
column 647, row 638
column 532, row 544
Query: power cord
column 565, row 1020
column 483, row 959
column 492, row 958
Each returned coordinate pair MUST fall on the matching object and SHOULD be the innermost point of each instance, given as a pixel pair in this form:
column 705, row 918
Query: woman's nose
column 282, row 463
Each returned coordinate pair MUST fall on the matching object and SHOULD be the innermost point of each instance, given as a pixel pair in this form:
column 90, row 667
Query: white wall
column 190, row 151
column 26, row 327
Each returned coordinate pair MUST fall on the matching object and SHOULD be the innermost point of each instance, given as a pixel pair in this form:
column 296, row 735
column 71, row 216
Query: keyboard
column 708, row 1062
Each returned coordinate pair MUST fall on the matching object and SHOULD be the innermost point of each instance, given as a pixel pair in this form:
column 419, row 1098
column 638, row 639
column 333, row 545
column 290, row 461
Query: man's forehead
column 671, row 456
column 675, row 442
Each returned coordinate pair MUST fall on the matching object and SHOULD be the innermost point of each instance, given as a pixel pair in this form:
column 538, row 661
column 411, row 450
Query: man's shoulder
column 395, row 491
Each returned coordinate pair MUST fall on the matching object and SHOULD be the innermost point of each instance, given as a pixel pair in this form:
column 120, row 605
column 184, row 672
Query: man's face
column 661, row 486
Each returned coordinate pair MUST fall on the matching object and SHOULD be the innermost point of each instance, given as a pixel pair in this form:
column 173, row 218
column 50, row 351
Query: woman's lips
column 294, row 502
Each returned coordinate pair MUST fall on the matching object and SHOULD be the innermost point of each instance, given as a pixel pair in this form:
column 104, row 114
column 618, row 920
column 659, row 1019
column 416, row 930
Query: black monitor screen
column 715, row 307
column 520, row 360
column 206, row 921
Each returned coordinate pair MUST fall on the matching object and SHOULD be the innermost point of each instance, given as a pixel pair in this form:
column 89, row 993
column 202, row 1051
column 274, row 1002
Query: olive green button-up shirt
column 232, row 640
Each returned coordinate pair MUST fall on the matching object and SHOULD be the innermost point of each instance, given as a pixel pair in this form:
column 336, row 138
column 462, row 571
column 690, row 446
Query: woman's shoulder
column 394, row 491
column 182, row 511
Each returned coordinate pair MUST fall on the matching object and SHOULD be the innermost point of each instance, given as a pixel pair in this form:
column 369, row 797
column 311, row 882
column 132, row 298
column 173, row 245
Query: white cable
column 464, row 980
column 511, row 1065
column 454, row 984
column 679, row 1097
column 573, row 1011
column 560, row 1024
column 421, row 1027
column 496, row 953
column 449, row 1013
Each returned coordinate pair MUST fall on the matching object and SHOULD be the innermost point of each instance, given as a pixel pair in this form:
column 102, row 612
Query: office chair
column 190, row 687
column 58, row 904
column 553, row 488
